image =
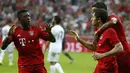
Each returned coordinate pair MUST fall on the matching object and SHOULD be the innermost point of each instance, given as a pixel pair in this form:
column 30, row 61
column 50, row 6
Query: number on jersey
column 60, row 35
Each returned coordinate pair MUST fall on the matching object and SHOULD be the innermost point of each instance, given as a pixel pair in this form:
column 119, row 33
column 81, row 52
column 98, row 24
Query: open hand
column 75, row 34
column 48, row 27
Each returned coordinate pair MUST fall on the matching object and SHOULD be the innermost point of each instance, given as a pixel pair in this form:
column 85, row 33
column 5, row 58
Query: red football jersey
column 27, row 44
column 121, row 34
column 106, row 43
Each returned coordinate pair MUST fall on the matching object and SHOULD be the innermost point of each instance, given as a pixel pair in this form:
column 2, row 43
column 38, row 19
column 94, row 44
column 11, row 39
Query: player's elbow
column 53, row 40
column 120, row 48
column 3, row 47
column 5, row 43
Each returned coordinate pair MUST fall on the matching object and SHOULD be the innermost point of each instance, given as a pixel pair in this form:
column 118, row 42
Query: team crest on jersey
column 31, row 33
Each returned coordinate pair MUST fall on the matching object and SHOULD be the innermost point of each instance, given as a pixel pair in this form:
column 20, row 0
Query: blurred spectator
column 74, row 13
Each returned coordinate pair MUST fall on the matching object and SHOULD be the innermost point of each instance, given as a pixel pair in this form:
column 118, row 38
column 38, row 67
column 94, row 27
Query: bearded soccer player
column 114, row 22
column 26, row 39
column 107, row 46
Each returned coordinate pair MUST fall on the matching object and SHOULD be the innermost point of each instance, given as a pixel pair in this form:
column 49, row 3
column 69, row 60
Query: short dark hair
column 20, row 12
column 100, row 5
column 57, row 19
column 102, row 14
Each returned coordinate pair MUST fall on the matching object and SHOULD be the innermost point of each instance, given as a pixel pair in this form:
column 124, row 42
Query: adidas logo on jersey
column 18, row 35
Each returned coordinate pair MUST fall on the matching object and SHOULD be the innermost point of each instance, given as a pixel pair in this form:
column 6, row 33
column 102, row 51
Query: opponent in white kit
column 11, row 47
column 55, row 48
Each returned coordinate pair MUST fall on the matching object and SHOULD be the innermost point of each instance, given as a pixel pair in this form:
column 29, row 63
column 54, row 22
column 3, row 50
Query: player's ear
column 99, row 20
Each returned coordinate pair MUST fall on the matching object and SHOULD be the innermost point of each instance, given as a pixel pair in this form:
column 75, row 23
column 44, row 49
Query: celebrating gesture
column 75, row 34
column 106, row 46
column 26, row 39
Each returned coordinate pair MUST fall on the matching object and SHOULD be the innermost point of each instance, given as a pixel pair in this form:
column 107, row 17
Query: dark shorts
column 63, row 44
column 32, row 69
column 124, row 64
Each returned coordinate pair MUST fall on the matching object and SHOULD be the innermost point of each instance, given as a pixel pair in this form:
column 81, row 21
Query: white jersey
column 5, row 31
column 58, row 33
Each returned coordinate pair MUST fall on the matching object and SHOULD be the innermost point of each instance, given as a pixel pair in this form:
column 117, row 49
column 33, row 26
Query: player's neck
column 100, row 24
column 57, row 24
column 25, row 27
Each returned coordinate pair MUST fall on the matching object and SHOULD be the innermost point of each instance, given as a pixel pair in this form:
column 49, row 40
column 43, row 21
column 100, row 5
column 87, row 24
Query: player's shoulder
column 113, row 15
column 12, row 30
column 3, row 28
column 16, row 27
column 115, row 18
column 35, row 27
column 110, row 31
column 59, row 26
column 6, row 27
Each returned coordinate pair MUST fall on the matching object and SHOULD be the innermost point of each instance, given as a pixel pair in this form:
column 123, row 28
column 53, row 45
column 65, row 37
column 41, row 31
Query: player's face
column 25, row 18
column 53, row 20
column 94, row 20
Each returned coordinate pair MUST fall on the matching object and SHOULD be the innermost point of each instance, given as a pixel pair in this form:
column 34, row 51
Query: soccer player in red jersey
column 114, row 22
column 107, row 46
column 26, row 39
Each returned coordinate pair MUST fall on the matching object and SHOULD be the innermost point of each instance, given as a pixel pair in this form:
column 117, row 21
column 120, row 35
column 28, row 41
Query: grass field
column 83, row 63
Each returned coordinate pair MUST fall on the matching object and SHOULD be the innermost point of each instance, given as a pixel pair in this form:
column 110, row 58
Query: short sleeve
column 43, row 34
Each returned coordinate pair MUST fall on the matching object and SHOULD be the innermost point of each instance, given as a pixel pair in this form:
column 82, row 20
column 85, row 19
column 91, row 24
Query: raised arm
column 46, row 34
column 89, row 46
column 47, row 46
column 6, row 42
column 51, row 37
column 9, row 38
column 106, row 25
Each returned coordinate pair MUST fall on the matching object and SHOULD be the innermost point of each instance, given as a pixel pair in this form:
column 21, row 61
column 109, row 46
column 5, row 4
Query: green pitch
column 83, row 63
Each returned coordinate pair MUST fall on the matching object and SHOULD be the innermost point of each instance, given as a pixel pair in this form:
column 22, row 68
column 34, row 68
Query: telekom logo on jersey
column 22, row 41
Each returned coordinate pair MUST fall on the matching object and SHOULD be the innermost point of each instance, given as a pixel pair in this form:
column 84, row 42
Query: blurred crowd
column 75, row 14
